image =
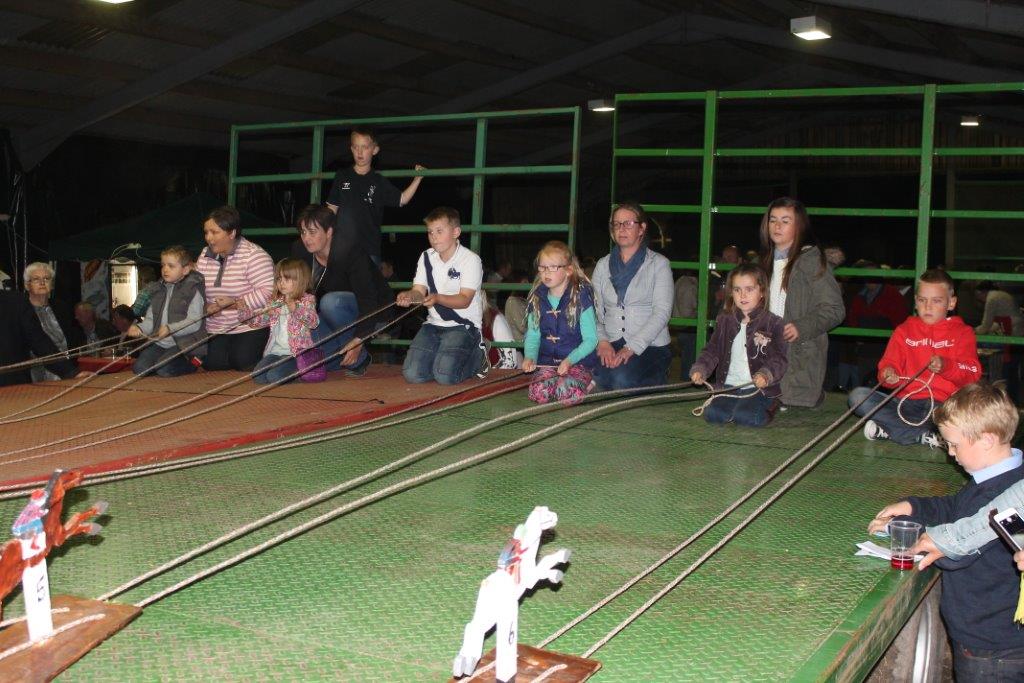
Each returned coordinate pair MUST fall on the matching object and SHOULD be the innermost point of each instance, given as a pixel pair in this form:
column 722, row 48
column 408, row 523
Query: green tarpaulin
column 178, row 223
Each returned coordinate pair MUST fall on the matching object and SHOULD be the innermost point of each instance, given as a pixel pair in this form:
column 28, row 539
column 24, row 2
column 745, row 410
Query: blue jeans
column 336, row 310
column 989, row 666
column 748, row 412
column 152, row 355
column 275, row 374
column 889, row 420
column 648, row 369
column 448, row 355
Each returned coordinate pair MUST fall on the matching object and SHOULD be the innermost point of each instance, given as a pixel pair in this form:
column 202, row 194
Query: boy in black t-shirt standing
column 359, row 194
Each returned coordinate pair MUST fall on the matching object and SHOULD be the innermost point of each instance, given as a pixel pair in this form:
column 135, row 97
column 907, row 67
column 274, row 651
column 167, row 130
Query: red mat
column 292, row 409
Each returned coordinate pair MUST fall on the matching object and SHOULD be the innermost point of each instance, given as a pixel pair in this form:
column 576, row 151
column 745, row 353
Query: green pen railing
column 710, row 152
column 479, row 173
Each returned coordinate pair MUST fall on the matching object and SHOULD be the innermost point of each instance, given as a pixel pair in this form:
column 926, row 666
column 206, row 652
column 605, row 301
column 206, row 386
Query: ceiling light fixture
column 810, row 28
column 115, row 2
column 970, row 121
column 601, row 104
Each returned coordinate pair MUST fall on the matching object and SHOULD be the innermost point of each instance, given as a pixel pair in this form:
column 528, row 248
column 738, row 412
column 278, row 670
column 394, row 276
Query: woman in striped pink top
column 236, row 272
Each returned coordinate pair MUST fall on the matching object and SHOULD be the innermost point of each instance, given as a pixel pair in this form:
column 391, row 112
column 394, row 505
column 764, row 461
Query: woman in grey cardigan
column 803, row 292
column 633, row 294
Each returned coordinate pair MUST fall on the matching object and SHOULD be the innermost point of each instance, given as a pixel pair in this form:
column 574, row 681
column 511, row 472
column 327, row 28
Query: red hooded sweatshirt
column 913, row 344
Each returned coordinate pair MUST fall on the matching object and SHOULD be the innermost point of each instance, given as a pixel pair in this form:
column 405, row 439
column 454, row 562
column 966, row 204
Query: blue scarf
column 622, row 273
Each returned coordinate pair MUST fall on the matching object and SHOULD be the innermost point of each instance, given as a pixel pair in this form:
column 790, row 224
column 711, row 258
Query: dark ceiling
column 182, row 71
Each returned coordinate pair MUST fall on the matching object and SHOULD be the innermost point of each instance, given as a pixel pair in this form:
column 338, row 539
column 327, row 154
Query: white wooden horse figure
column 497, row 604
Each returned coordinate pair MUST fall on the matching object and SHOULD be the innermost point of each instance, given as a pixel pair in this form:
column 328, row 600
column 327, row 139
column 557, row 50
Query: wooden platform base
column 534, row 663
column 44, row 660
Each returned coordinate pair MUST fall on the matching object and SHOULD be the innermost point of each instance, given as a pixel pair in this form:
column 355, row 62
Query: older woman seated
column 21, row 337
column 633, row 293
column 54, row 315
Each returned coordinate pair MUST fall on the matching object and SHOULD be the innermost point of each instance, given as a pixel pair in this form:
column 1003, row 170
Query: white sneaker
column 873, row 431
column 933, row 440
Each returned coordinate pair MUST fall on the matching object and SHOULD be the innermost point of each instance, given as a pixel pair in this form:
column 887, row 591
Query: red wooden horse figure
column 43, row 514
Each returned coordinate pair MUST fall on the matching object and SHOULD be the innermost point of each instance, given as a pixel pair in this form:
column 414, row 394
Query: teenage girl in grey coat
column 804, row 293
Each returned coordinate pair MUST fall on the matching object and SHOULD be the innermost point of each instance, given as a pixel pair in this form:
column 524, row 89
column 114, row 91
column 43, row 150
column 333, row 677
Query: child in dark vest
column 291, row 317
column 561, row 328
column 747, row 346
column 174, row 318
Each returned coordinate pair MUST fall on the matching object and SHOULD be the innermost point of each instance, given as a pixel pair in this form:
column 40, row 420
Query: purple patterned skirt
column 548, row 385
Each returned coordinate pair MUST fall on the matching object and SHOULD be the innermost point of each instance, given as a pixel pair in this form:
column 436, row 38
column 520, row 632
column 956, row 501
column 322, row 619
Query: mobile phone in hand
column 1010, row 527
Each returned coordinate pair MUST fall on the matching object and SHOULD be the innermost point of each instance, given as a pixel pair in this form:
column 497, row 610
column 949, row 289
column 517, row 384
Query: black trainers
column 359, row 369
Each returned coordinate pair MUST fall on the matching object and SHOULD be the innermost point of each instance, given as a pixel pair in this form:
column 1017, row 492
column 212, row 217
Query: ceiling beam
column 107, row 16
column 41, row 140
column 21, row 57
column 664, row 60
column 979, row 15
column 454, row 51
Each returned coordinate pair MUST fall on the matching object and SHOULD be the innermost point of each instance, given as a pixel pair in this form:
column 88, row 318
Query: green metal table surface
column 384, row 592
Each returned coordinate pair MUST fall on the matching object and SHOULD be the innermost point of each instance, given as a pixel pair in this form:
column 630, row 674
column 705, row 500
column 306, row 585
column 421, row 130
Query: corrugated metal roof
column 226, row 17
column 13, row 25
column 365, row 51
column 57, row 84
column 65, row 35
column 288, row 80
column 139, row 51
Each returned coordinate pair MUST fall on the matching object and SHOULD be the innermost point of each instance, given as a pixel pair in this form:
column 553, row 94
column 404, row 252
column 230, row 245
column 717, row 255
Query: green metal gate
column 479, row 172
column 925, row 151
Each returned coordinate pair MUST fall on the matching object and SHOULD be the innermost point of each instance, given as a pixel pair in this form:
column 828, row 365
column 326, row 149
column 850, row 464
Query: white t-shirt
column 462, row 271
column 278, row 345
column 776, row 294
column 739, row 366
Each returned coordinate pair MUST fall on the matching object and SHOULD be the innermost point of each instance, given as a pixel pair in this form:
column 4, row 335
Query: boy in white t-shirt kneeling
column 448, row 348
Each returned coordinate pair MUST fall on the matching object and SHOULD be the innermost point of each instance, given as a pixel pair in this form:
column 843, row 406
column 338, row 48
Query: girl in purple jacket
column 747, row 346
column 291, row 317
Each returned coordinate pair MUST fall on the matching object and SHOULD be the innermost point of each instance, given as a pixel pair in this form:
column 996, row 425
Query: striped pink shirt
column 248, row 275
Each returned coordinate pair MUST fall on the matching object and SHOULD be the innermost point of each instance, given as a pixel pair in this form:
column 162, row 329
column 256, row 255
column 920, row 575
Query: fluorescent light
column 602, row 104
column 972, row 121
column 810, row 28
column 115, row 2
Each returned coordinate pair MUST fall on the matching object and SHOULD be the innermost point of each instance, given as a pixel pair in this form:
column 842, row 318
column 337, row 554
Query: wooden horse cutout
column 43, row 515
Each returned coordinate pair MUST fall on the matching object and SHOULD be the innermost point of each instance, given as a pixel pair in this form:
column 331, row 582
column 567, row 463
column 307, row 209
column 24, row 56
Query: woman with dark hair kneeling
column 236, row 272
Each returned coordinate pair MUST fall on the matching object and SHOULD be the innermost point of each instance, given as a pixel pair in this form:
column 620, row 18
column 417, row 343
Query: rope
column 10, row 491
column 199, row 397
column 739, row 527
column 336, row 490
column 93, row 347
column 699, row 410
column 406, row 484
column 925, row 386
column 14, row 620
column 549, row 672
column 56, row 632
column 707, row 527
column 120, row 385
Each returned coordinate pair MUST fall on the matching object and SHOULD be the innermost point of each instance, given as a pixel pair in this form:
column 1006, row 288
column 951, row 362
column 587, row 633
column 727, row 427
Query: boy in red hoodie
column 944, row 344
